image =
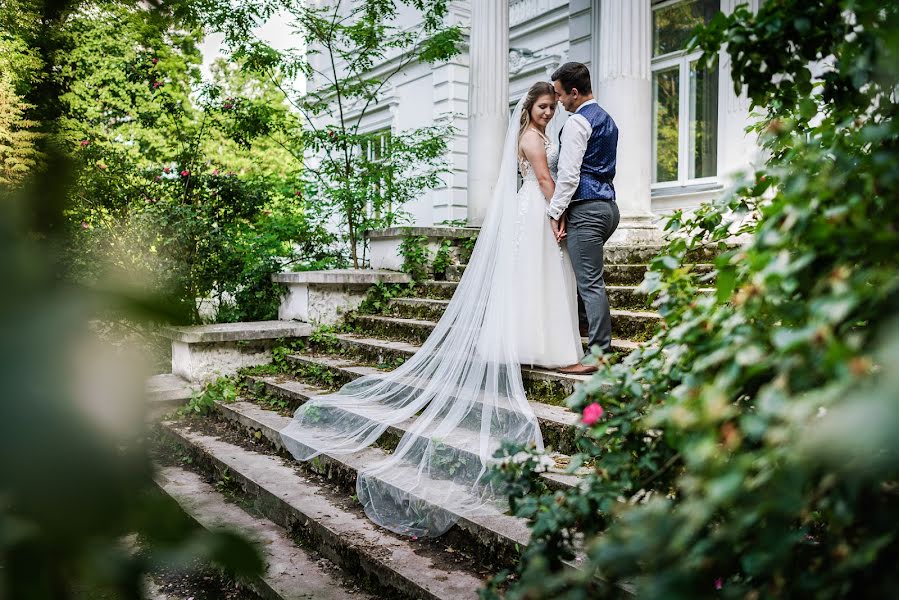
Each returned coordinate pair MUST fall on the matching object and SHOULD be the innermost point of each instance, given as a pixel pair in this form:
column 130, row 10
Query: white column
column 624, row 90
column 488, row 101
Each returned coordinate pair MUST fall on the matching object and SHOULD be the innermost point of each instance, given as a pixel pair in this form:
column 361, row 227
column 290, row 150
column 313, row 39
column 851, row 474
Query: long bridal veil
column 455, row 400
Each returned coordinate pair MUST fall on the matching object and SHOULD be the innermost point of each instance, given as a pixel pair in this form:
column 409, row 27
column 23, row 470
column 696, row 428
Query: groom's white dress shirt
column 575, row 136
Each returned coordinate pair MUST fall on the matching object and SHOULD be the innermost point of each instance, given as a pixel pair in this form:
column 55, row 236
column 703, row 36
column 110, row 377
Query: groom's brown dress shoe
column 579, row 369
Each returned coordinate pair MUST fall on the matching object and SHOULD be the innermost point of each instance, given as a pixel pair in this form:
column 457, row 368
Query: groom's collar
column 588, row 102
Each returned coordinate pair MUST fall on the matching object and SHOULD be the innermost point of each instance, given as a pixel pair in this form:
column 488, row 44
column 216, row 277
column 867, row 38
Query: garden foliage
column 749, row 450
column 360, row 178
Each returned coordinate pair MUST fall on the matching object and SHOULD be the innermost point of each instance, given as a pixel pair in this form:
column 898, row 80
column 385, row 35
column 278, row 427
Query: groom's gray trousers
column 590, row 225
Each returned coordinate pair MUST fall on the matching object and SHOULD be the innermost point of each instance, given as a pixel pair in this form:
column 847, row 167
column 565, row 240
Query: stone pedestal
column 384, row 244
column 624, row 90
column 204, row 352
column 323, row 297
column 488, row 102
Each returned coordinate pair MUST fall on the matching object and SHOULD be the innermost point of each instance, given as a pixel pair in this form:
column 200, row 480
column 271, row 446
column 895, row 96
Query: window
column 375, row 149
column 684, row 97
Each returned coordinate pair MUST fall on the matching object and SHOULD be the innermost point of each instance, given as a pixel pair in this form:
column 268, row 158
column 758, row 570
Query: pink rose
column 215, row 171
column 166, row 170
column 84, row 225
column 592, row 414
column 84, row 143
column 185, row 173
column 719, row 583
column 156, row 84
column 155, row 60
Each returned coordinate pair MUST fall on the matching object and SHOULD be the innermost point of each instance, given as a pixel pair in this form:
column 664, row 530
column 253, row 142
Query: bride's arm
column 535, row 152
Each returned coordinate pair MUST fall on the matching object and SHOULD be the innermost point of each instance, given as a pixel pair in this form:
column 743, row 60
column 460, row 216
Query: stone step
column 292, row 573
column 460, row 444
column 557, row 423
column 627, row 325
column 616, row 275
column 490, row 533
column 310, row 506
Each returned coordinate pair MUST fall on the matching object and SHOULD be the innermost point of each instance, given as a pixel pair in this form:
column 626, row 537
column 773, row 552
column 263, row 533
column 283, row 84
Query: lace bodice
column 552, row 159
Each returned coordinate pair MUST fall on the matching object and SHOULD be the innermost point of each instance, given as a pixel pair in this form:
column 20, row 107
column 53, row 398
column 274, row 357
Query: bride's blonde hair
column 539, row 89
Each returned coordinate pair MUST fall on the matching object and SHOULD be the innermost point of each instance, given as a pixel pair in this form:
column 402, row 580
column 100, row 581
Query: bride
column 461, row 395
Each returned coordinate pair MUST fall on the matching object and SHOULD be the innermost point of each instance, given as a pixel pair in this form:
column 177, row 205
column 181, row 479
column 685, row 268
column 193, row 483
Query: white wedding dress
column 546, row 287
column 460, row 396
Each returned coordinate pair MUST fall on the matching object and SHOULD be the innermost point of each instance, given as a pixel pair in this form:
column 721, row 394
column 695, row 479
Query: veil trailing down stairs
column 457, row 398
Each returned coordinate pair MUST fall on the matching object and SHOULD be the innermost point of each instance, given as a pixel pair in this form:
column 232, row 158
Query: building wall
column 543, row 34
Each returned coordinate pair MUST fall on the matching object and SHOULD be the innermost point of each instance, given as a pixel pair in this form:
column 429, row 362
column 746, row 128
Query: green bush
column 748, row 451
column 199, row 236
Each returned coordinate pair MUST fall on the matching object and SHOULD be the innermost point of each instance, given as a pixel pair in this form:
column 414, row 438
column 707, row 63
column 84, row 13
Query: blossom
column 215, row 171
column 156, row 84
column 414, row 538
column 155, row 60
column 84, row 225
column 185, row 173
column 159, row 178
column 85, row 143
column 227, row 106
column 592, row 414
column 719, row 583
column 166, row 170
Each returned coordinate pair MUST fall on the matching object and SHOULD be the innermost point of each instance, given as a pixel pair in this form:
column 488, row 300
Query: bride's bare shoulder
column 531, row 141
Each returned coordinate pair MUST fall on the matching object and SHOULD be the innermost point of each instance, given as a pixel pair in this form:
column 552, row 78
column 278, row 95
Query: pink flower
column 297, row 193
column 155, row 60
column 227, row 106
column 166, row 170
column 719, row 583
column 592, row 414
column 215, row 171
column 159, row 178
column 84, row 225
column 156, row 84
column 84, row 143
column 414, row 538
column 185, row 173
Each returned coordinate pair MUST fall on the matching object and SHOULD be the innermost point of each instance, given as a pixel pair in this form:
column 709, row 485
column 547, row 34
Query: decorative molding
column 625, row 30
column 521, row 11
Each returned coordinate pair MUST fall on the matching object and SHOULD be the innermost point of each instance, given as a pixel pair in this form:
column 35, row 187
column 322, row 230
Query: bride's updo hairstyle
column 538, row 90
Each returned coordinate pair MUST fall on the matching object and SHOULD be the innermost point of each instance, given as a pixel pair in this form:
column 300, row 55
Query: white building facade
column 682, row 128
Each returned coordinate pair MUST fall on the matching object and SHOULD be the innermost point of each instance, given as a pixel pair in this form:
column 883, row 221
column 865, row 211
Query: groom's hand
column 558, row 232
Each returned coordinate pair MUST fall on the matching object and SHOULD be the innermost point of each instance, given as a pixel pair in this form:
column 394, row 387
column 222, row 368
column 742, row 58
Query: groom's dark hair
column 574, row 75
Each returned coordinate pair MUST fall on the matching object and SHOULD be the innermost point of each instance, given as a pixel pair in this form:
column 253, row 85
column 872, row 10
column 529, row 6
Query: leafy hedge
column 748, row 451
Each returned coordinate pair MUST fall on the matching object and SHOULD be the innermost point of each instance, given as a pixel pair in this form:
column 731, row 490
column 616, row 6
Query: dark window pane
column 672, row 26
column 665, row 124
column 703, row 122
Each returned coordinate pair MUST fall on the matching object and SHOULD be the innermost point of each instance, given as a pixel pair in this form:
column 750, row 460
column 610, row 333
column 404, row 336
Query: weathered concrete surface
column 492, row 530
column 384, row 244
column 557, row 423
column 204, row 362
column 323, row 297
column 446, row 233
column 342, row 277
column 291, row 573
column 462, row 441
column 168, row 389
column 351, row 540
column 235, row 332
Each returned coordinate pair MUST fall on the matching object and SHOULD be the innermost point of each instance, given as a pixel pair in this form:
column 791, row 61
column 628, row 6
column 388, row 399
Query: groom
column 589, row 147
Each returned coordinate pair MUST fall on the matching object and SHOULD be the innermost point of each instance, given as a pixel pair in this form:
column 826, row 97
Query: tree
column 343, row 43
column 749, row 451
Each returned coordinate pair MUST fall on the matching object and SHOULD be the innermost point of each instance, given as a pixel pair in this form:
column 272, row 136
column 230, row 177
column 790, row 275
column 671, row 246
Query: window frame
column 681, row 59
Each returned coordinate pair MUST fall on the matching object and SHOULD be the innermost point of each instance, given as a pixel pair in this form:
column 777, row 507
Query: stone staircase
column 313, row 504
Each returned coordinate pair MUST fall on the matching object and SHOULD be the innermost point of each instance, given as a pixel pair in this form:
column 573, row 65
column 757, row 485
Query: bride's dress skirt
column 545, row 298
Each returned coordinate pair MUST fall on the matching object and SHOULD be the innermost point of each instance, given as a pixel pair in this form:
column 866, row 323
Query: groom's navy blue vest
column 598, row 168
